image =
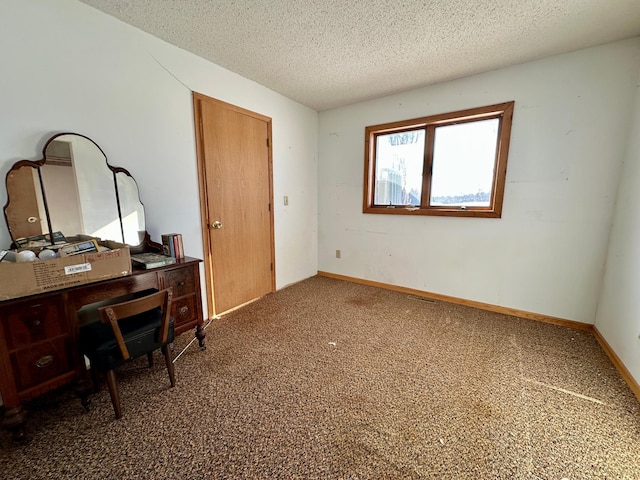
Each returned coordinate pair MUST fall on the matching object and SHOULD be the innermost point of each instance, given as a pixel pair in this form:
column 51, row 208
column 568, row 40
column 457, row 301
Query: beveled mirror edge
column 146, row 244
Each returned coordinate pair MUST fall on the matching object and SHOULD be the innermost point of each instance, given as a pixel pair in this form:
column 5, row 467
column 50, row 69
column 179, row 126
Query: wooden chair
column 127, row 331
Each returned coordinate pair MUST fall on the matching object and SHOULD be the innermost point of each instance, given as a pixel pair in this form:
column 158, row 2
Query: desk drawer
column 184, row 310
column 44, row 361
column 25, row 323
column 181, row 280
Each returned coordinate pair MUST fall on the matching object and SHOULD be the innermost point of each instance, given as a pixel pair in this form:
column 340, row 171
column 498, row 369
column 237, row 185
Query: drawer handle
column 183, row 310
column 45, row 361
column 181, row 284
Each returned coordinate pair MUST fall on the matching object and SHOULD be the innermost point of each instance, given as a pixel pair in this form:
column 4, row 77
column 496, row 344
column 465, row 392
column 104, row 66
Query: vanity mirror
column 74, row 190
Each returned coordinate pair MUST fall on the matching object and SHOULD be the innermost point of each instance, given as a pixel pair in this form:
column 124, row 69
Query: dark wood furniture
column 39, row 333
column 126, row 331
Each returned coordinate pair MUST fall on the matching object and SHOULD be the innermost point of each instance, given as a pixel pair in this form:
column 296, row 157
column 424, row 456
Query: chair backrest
column 121, row 311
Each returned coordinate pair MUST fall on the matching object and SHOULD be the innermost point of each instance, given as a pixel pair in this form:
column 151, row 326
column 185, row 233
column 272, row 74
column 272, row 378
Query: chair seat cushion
column 140, row 334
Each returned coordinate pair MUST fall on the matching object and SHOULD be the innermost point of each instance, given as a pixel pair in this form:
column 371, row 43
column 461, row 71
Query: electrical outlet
column 338, row 254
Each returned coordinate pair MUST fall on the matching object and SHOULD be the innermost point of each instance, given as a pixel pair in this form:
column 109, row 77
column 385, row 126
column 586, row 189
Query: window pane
column 463, row 163
column 399, row 161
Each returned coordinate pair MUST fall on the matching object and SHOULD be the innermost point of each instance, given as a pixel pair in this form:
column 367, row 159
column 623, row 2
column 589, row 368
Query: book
column 35, row 241
column 87, row 246
column 167, row 245
column 172, row 245
column 41, row 240
column 151, row 260
column 176, row 247
column 180, row 248
column 56, row 238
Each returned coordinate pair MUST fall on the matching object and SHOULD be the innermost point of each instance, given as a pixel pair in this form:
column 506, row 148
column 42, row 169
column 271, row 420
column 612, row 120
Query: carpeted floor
column 333, row 380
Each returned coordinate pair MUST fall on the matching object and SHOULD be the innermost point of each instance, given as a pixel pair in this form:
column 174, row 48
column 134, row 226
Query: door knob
column 217, row 225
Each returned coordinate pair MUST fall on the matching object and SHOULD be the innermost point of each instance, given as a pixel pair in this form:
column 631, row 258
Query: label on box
column 82, row 267
column 23, row 279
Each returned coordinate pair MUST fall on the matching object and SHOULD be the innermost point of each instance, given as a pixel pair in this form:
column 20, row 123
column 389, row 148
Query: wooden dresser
column 38, row 333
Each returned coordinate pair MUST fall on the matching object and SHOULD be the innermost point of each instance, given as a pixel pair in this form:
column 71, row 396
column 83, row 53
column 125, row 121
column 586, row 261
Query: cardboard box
column 22, row 279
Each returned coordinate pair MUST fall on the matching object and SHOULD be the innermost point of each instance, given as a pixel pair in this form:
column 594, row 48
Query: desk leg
column 200, row 335
column 85, row 387
column 86, row 383
column 15, row 420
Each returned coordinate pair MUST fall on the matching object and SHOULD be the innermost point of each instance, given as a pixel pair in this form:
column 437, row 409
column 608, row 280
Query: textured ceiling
column 329, row 53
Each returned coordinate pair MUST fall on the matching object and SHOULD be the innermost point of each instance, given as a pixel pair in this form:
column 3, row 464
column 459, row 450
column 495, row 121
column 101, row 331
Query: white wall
column 68, row 67
column 546, row 254
column 618, row 317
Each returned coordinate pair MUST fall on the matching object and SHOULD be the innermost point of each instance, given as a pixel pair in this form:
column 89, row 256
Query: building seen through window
column 450, row 164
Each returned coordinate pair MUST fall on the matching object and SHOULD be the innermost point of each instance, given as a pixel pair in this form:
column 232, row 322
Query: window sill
column 437, row 211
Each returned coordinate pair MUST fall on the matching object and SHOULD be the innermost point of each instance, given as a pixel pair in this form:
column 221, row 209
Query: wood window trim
column 503, row 111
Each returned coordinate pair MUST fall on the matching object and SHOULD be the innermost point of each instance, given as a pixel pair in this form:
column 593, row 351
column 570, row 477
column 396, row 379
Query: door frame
column 204, row 210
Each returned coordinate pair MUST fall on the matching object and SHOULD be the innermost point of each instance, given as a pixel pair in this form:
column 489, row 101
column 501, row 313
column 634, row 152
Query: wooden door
column 26, row 213
column 234, row 160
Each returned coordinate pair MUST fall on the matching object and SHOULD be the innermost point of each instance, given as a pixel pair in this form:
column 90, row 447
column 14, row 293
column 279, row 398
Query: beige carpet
column 332, row 380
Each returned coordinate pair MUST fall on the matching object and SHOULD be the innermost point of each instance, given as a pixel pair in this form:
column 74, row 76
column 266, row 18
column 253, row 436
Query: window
column 451, row 164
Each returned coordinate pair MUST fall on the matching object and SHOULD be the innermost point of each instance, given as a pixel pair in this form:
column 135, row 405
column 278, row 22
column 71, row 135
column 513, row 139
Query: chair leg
column 150, row 357
column 114, row 392
column 168, row 359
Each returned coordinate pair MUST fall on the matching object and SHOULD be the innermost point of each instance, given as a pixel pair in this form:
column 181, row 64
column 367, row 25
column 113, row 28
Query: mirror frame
column 145, row 245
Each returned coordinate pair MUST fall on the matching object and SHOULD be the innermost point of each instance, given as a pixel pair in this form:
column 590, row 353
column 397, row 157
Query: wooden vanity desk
column 73, row 191
column 38, row 334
